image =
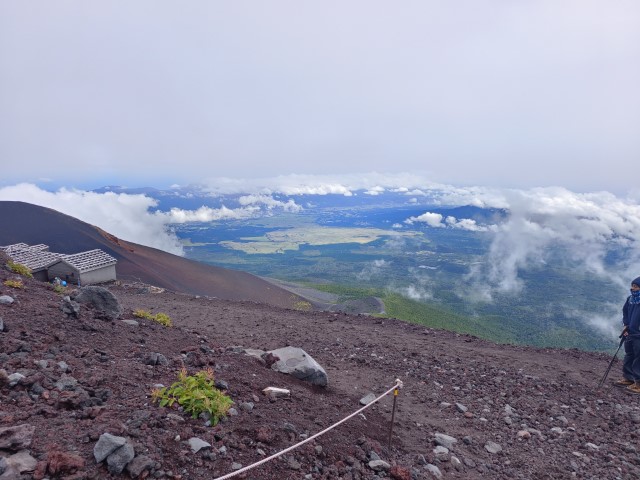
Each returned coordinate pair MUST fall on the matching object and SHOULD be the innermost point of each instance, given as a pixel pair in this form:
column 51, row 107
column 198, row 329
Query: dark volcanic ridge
column 511, row 412
column 32, row 224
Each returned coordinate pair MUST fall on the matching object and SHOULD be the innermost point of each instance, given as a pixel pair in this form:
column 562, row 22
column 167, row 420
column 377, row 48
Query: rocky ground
column 468, row 408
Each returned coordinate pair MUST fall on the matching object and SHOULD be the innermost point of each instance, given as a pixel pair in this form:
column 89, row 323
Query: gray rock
column 70, row 308
column 236, row 466
column 106, row 445
column 379, row 465
column 298, row 363
column 67, row 382
column 1, row 325
column 3, row 465
column 16, row 438
column 22, row 462
column 434, row 471
column 157, row 359
column 131, row 322
column 197, row 444
column 15, row 378
column 101, row 299
column 444, row 440
column 221, row 385
column 246, row 406
column 63, row 366
column 10, row 473
column 461, row 408
column 492, row 447
column 41, row 363
column 139, row 464
column 120, row 458
column 367, row 399
column 441, row 451
column 6, row 300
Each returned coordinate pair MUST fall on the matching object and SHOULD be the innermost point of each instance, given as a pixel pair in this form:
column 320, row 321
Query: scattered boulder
column 298, row 363
column 446, row 441
column 379, row 465
column 16, row 438
column 492, row 447
column 70, row 308
column 197, row 444
column 139, row 464
column 22, row 462
column 101, row 299
column 157, row 359
column 276, row 392
column 6, row 300
column 106, row 445
column 118, row 460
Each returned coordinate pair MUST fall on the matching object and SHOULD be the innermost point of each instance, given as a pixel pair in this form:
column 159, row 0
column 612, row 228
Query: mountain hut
column 94, row 266
column 34, row 257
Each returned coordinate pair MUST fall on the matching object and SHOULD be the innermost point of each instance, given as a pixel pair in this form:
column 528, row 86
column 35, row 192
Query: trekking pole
column 611, row 363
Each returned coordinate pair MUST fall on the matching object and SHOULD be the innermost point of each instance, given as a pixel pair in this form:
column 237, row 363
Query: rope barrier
column 397, row 385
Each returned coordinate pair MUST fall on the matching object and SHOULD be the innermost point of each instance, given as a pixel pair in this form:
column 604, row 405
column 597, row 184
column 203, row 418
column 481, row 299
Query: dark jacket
column 631, row 317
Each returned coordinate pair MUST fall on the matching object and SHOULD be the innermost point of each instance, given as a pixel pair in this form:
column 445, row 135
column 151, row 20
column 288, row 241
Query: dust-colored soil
column 540, row 406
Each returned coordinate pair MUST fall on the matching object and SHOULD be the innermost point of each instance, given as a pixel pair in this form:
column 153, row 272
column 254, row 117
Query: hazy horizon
column 471, row 93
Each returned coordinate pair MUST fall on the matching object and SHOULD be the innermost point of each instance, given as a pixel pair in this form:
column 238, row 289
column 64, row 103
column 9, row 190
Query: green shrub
column 59, row 289
column 302, row 305
column 196, row 394
column 13, row 283
column 20, row 269
column 161, row 318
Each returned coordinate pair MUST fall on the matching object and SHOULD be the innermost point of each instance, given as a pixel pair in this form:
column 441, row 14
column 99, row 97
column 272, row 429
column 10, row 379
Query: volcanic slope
column 32, row 224
column 512, row 412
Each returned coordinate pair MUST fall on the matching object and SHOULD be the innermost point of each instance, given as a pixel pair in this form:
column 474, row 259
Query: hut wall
column 100, row 275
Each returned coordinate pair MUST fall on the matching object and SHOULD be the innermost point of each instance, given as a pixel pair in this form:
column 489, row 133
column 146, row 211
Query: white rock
column 276, row 392
column 446, row 441
column 434, row 471
column 492, row 447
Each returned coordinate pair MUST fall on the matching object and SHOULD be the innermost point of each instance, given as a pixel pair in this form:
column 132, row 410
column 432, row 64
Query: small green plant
column 161, row 318
column 20, row 269
column 196, row 394
column 13, row 283
column 59, row 289
column 302, row 305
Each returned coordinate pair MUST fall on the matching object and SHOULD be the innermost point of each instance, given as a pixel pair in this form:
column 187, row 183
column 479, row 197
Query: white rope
column 398, row 384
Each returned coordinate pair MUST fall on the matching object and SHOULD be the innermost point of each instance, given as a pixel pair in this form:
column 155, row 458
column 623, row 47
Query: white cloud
column 373, row 269
column 430, row 218
column 375, row 190
column 270, row 203
column 208, row 214
column 125, row 216
column 587, row 226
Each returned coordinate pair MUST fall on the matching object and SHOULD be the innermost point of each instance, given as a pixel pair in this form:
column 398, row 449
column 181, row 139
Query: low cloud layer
column 131, row 217
column 585, row 226
column 125, row 216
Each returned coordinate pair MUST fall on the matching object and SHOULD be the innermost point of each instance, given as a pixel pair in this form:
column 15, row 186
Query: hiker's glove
column 625, row 331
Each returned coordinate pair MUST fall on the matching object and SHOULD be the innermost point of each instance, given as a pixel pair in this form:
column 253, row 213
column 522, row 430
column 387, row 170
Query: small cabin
column 34, row 257
column 85, row 268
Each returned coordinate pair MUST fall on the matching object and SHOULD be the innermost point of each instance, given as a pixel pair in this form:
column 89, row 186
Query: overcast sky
column 482, row 92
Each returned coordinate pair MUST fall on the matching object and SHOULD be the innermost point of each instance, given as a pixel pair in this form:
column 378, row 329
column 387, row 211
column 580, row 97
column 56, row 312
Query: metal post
column 393, row 415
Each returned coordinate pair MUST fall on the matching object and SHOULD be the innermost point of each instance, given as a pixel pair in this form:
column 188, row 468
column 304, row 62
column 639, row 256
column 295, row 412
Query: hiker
column 631, row 334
